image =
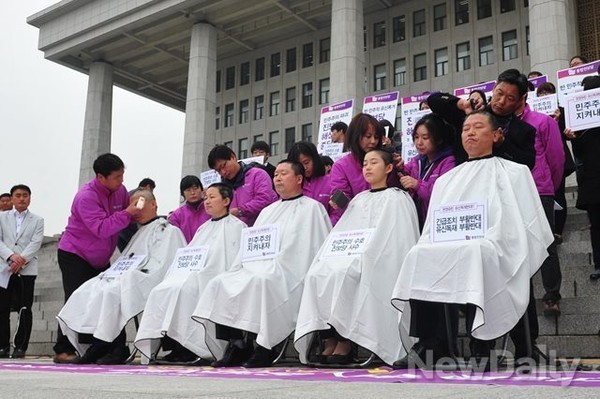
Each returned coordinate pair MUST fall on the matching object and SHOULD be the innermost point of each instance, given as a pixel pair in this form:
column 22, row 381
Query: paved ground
column 34, row 378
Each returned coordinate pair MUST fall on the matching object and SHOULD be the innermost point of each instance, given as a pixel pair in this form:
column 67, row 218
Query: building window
column 525, row 3
column 307, row 132
column 324, row 91
column 420, row 67
column 527, row 39
column 229, row 115
column 399, row 28
column 290, row 60
column 257, row 137
column 379, row 34
column 463, row 56
column 441, row 62
column 439, row 17
column 484, row 9
column 243, row 148
column 290, row 138
column 218, row 81
column 259, row 107
column 510, row 48
column 307, row 91
column 230, row 78
column 400, row 72
column 486, row 51
column 274, row 104
column 275, row 64
column 290, row 99
column 307, row 55
column 244, row 73
column 259, row 73
column 244, row 111
column 218, row 118
column 419, row 28
column 379, row 77
column 274, row 142
column 507, row 5
column 228, row 144
column 324, row 50
column 461, row 11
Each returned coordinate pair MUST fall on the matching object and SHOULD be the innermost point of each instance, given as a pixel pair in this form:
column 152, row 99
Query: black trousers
column 551, row 274
column 18, row 293
column 560, row 217
column 75, row 271
column 594, row 216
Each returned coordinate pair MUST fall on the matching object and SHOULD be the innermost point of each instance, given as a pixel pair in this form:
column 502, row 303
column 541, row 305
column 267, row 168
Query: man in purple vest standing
column 99, row 212
column 252, row 186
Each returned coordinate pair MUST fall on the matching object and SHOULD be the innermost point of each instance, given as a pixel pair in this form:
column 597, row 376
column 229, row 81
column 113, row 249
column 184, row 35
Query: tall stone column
column 98, row 118
column 347, row 64
column 199, row 137
column 553, row 39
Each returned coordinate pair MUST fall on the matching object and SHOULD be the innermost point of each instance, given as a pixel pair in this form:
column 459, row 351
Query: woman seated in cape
column 347, row 294
column 167, row 321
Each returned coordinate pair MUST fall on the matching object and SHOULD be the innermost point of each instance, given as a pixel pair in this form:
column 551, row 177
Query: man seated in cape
column 347, row 294
column 490, row 274
column 260, row 296
column 167, row 321
column 103, row 305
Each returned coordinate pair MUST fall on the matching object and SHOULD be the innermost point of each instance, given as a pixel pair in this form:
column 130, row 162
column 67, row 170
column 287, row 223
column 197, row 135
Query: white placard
column 124, row 264
column 190, row 259
column 545, row 104
column 582, row 110
column 569, row 80
column 459, row 222
column 340, row 112
column 382, row 106
column 408, row 125
column 260, row 242
column 209, row 177
column 333, row 150
column 259, row 160
column 347, row 243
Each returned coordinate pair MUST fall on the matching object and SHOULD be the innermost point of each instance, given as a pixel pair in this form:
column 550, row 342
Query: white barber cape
column 263, row 296
column 103, row 306
column 352, row 292
column 170, row 305
column 492, row 273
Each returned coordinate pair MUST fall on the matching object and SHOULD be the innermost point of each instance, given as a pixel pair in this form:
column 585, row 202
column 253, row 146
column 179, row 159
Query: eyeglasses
column 191, row 189
column 221, row 167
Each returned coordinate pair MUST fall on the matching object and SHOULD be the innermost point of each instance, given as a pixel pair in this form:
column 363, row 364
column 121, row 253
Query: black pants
column 560, row 217
column 594, row 216
column 227, row 333
column 20, row 293
column 551, row 274
column 428, row 323
column 517, row 334
column 75, row 271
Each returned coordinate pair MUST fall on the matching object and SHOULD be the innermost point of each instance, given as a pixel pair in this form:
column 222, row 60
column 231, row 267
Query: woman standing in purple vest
column 191, row 214
column 316, row 182
column 364, row 134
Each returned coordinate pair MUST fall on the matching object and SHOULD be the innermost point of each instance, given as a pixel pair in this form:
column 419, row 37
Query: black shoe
column 18, row 353
column 595, row 275
column 233, row 357
column 417, row 356
column 262, row 357
column 180, row 355
column 92, row 354
column 341, row 359
column 4, row 353
column 118, row 355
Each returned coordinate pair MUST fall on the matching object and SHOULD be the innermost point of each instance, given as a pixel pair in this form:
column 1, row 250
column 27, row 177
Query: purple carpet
column 383, row 374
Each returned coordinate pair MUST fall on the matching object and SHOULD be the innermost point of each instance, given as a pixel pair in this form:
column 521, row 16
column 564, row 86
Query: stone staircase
column 576, row 333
